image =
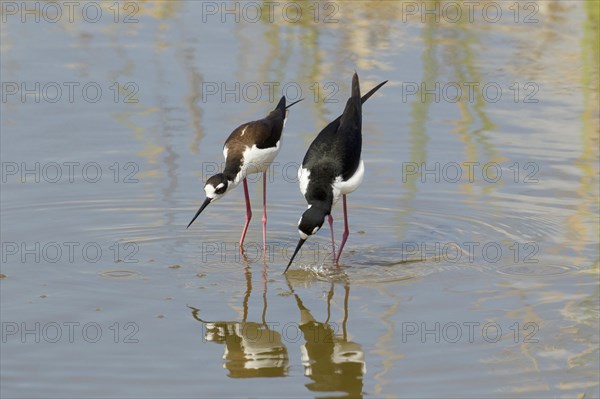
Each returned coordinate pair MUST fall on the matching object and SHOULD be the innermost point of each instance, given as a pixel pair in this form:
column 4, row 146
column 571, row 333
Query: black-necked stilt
column 249, row 149
column 332, row 167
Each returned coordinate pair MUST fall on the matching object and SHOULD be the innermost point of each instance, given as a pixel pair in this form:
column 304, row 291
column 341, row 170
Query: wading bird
column 249, row 149
column 332, row 168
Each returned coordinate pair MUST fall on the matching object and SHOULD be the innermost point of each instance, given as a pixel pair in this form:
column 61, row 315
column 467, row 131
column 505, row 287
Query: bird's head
column 311, row 221
column 216, row 186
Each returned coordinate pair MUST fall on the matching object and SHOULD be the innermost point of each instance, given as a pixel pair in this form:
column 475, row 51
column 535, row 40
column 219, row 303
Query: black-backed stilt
column 249, row 149
column 333, row 168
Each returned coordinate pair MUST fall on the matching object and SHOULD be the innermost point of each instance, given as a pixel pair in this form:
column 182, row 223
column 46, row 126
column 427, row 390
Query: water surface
column 472, row 265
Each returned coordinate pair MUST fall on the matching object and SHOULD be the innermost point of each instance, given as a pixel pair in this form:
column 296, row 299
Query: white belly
column 257, row 160
column 303, row 178
column 341, row 187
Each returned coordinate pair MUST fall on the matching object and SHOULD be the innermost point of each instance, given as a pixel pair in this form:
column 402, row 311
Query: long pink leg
column 332, row 239
column 264, row 218
column 346, row 230
column 248, row 213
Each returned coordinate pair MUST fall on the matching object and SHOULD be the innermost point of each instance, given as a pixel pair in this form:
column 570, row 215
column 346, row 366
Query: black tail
column 351, row 119
column 281, row 104
column 363, row 98
column 356, row 87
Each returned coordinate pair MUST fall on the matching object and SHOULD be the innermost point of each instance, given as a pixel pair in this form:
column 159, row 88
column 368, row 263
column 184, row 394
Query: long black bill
column 204, row 205
column 295, row 102
column 294, row 255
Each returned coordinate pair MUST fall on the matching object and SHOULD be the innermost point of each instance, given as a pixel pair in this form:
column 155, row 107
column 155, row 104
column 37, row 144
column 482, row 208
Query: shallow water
column 472, row 265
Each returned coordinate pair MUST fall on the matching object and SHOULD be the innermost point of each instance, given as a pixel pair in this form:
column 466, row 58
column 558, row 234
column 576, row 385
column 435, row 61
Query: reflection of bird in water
column 333, row 363
column 251, row 349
